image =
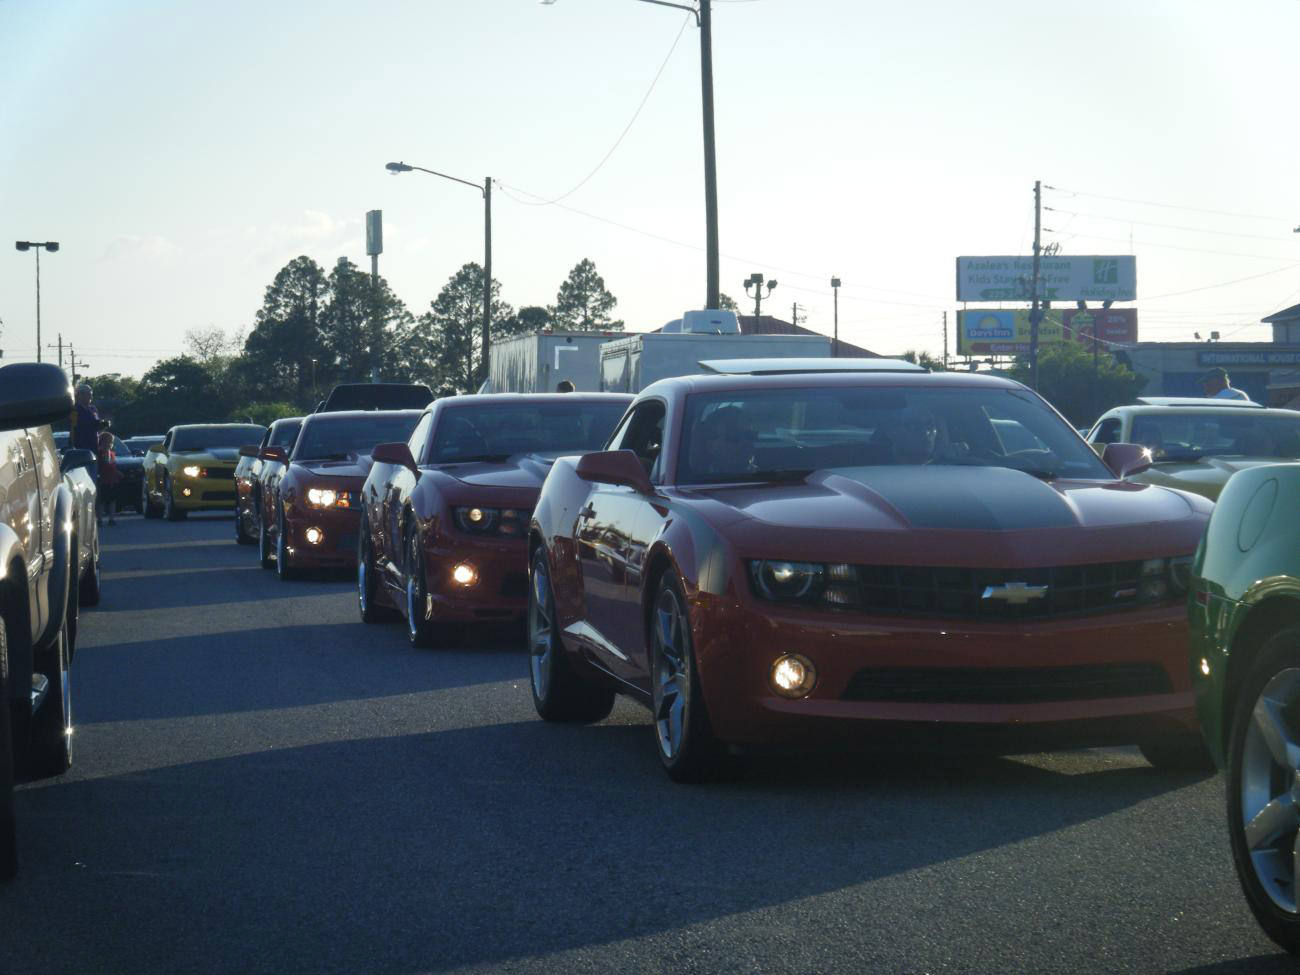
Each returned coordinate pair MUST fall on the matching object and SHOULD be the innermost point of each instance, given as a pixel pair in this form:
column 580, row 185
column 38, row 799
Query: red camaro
column 444, row 518
column 782, row 559
column 312, row 508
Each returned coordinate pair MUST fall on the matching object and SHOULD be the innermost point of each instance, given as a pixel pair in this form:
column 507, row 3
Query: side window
column 1107, row 431
column 643, row 434
column 166, row 444
column 420, row 437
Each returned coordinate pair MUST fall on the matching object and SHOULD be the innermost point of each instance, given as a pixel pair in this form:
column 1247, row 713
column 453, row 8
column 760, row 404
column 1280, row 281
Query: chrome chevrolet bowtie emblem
column 1015, row 593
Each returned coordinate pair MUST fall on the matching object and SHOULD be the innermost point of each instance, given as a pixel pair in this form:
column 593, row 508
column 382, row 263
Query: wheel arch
column 1261, row 622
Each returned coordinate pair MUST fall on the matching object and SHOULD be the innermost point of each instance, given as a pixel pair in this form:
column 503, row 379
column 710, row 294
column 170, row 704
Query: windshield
column 216, row 437
column 379, row 396
column 324, row 437
column 494, row 432
column 773, row 434
column 1190, row 435
column 285, row 434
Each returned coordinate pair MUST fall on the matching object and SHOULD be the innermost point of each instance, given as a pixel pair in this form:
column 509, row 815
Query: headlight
column 192, row 470
column 1165, row 578
column 787, row 581
column 491, row 521
column 328, row 498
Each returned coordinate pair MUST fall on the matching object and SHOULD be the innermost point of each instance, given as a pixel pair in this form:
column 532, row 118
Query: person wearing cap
column 1216, row 385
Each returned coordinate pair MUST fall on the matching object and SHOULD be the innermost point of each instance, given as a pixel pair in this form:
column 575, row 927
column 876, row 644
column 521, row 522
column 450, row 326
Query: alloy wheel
column 540, row 626
column 1269, row 794
column 671, row 680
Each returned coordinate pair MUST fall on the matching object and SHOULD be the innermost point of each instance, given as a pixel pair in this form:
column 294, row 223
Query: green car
column 1244, row 611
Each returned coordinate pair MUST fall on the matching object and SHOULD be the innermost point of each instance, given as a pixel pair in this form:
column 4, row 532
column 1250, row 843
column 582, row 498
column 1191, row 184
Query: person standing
column 85, row 420
column 1216, row 385
column 109, row 477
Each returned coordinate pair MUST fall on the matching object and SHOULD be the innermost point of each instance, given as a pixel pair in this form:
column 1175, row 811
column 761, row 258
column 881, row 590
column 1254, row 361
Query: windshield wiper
column 477, row 459
column 791, row 474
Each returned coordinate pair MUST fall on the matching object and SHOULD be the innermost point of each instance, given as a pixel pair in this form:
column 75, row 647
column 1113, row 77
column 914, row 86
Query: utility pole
column 487, row 279
column 58, row 346
column 795, row 317
column 757, row 281
column 945, row 340
column 835, row 341
column 1035, row 312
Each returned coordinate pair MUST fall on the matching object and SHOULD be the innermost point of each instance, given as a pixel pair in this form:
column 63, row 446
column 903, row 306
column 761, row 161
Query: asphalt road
column 263, row 784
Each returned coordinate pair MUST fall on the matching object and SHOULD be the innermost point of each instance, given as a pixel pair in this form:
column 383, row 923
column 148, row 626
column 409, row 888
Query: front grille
column 221, row 473
column 1006, row 685
column 218, row 495
column 515, row 585
column 959, row 593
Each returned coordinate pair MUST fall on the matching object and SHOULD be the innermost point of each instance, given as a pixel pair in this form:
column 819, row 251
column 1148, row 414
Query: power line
column 1164, row 226
column 1175, row 247
column 1222, row 284
column 626, row 129
column 1167, row 206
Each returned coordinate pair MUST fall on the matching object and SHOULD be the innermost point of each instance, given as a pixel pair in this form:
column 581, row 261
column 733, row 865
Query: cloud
column 316, row 232
column 131, row 246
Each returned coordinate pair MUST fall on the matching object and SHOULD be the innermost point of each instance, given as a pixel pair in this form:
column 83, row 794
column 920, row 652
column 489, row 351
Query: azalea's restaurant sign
column 1060, row 278
column 993, row 331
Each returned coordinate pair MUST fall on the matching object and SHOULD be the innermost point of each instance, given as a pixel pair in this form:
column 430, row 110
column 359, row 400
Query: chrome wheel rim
column 65, row 673
column 540, row 626
column 671, row 679
column 361, row 580
column 168, row 501
column 1270, row 788
column 411, row 599
column 279, row 545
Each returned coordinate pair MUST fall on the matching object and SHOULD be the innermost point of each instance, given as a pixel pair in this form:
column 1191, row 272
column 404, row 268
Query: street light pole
column 703, row 13
column 486, row 190
column 51, row 246
column 835, row 343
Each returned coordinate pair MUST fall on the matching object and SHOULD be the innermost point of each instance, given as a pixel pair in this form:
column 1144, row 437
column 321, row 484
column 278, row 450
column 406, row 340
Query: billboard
column 1090, row 278
column 1005, row 331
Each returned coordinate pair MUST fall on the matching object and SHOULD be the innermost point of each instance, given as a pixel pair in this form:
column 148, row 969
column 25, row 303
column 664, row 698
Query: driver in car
column 723, row 443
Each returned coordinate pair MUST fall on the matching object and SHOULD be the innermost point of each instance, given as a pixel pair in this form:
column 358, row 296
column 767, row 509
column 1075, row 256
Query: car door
column 604, row 531
column 158, row 475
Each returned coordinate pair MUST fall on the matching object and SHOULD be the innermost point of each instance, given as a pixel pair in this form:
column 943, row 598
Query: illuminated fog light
column 191, row 471
column 464, row 574
column 314, row 536
column 1205, row 667
column 476, row 515
column 186, row 492
column 792, row 675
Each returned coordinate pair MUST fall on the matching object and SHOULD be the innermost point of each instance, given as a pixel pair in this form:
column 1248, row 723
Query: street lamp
column 486, row 190
column 835, row 342
column 704, row 20
column 51, row 246
column 756, row 280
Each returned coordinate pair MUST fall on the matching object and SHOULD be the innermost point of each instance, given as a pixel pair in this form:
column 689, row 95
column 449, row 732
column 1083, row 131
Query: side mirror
column 393, row 453
column 274, row 453
column 33, row 394
column 615, row 467
column 76, row 457
column 1126, row 458
column 250, row 451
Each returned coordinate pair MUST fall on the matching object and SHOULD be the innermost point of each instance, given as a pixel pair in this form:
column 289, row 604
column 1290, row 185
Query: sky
column 181, row 153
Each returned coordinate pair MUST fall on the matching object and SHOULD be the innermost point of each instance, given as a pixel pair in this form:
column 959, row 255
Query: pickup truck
column 49, row 554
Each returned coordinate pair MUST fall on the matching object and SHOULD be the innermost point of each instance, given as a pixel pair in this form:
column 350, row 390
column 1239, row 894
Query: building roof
column 1285, row 315
column 770, row 325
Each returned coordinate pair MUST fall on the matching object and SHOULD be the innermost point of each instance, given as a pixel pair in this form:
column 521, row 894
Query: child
column 109, row 477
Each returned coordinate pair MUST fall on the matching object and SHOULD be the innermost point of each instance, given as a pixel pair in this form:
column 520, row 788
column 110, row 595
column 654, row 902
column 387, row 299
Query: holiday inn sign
column 1078, row 278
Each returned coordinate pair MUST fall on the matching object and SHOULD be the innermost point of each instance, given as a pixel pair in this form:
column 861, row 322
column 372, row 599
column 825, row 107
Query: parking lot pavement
column 263, row 784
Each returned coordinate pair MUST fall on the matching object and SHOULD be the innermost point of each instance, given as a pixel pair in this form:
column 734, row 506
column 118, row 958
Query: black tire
column 265, row 554
column 147, row 507
column 241, row 536
column 88, row 589
column 284, row 569
column 50, row 753
column 421, row 629
column 559, row 694
column 1180, row 753
column 170, row 511
column 693, row 754
column 1280, row 654
column 372, row 611
column 8, row 822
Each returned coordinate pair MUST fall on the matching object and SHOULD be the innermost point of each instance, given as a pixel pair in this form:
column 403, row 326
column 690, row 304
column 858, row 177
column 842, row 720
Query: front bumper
column 205, row 493
column 337, row 544
column 1117, row 678
column 500, row 589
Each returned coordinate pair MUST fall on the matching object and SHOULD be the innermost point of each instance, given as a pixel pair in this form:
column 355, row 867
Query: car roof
column 792, row 366
column 508, row 398
column 1232, row 404
column 1205, row 406
column 208, row 426
column 333, row 415
column 684, row 385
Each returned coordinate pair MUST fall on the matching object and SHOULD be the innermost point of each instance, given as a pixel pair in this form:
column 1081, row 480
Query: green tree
column 924, row 359
column 1067, row 380
column 176, row 390
column 443, row 346
column 288, row 334
column 533, row 318
column 583, row 304
column 359, row 325
column 263, row 413
column 728, row 303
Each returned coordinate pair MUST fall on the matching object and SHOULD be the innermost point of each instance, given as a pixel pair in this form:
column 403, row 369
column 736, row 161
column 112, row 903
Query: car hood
column 223, row 455
column 356, row 467
column 956, row 515
column 1205, row 477
column 519, row 471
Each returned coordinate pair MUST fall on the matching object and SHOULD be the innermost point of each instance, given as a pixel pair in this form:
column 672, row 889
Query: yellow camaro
column 193, row 469
column 1197, row 444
